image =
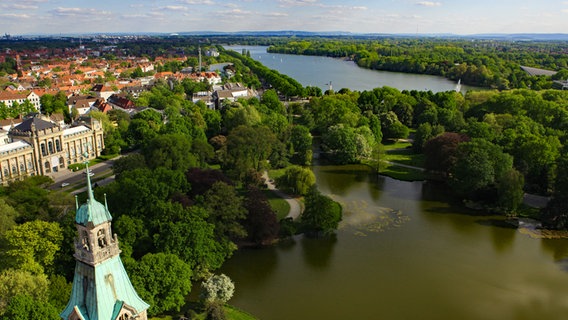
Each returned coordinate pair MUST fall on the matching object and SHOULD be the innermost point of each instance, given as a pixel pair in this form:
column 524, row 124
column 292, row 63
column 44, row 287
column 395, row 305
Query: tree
column 301, row 141
column 162, row 280
column 440, row 152
column 185, row 233
column 555, row 215
column 270, row 99
column 479, row 164
column 240, row 114
column 321, row 215
column 297, row 179
column 8, row 217
column 32, row 246
column 14, row 282
column 510, row 191
column 248, row 148
column 261, row 224
column 171, row 151
column 392, row 128
column 339, row 142
column 23, row 307
column 217, row 288
column 30, row 198
column 129, row 162
column 201, row 180
column 225, row 209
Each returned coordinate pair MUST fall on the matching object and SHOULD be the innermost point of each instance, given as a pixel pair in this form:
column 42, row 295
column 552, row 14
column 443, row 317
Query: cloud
column 75, row 12
column 174, row 8
column 297, row 3
column 149, row 15
column 206, row 2
column 18, row 6
column 277, row 14
column 429, row 4
column 15, row 16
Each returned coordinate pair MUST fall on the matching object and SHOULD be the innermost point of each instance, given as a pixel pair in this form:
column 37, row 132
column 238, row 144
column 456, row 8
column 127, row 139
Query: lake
column 403, row 251
column 320, row 71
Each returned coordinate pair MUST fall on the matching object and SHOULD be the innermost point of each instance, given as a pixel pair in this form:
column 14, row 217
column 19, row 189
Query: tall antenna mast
column 199, row 59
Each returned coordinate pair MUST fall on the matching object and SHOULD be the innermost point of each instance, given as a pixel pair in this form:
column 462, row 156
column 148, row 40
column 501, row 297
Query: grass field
column 401, row 152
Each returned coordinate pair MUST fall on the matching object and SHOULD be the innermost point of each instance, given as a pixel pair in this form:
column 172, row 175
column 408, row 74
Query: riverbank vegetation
column 194, row 193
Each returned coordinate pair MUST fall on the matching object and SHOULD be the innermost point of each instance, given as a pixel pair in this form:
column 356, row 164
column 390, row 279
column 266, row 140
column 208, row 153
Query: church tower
column 101, row 287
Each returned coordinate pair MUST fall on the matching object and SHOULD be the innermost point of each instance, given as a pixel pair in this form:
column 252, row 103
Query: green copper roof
column 99, row 292
column 92, row 211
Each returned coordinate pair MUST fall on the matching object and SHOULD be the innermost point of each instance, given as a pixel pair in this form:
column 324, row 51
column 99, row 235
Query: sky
column 23, row 17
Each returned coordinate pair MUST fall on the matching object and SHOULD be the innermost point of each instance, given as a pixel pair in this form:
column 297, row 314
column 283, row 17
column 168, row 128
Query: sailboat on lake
column 458, row 86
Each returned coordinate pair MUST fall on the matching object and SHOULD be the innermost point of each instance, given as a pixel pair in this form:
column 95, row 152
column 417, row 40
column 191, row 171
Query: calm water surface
column 402, row 252
column 320, row 71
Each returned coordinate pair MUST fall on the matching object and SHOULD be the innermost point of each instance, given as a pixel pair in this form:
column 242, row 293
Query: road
column 77, row 178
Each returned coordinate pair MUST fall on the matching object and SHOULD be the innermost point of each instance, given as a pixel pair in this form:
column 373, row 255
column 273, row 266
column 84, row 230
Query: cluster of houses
column 40, row 145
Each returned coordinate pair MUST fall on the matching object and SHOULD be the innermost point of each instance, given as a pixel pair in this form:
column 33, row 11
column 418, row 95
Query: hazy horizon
column 357, row 16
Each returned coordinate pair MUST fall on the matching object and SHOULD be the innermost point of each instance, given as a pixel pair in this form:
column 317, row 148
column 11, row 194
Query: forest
column 188, row 189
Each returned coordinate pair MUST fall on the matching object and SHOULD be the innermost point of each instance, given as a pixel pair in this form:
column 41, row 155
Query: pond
column 403, row 251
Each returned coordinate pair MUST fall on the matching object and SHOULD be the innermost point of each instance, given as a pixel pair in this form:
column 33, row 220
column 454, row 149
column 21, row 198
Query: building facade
column 41, row 147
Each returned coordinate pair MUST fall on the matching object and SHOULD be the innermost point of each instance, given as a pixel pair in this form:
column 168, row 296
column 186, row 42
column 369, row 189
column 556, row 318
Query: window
column 43, row 153
column 50, row 147
column 30, row 165
column 14, row 169
column 57, row 145
column 101, row 238
column 22, row 167
column 85, row 240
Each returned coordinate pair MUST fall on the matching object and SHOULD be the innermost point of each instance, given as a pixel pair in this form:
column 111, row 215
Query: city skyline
column 383, row 16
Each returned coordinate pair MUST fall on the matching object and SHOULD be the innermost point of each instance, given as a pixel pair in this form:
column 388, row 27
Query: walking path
column 295, row 208
column 403, row 165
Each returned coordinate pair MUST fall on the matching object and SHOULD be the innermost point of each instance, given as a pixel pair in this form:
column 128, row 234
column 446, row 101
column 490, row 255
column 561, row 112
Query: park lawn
column 401, row 152
column 279, row 205
column 402, row 173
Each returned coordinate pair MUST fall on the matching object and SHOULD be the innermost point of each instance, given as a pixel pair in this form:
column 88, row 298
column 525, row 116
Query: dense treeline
column 476, row 62
column 282, row 83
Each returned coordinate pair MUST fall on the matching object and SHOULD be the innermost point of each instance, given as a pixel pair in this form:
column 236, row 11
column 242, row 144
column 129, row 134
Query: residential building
column 9, row 97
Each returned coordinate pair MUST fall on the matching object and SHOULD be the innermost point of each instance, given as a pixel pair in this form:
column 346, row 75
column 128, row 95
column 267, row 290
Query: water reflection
column 317, row 252
column 557, row 247
column 260, row 262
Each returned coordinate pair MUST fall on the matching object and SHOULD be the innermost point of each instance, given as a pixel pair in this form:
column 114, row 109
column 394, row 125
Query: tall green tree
column 248, row 148
column 301, row 141
column 32, row 246
column 260, row 223
column 321, row 215
column 297, row 180
column 226, row 210
column 162, row 280
column 14, row 282
column 171, row 151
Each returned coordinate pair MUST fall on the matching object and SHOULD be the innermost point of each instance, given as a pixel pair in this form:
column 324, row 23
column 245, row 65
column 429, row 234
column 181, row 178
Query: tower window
column 101, row 238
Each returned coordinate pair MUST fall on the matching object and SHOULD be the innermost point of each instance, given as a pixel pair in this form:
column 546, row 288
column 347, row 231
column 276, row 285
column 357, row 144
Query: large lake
column 403, row 251
column 320, row 71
